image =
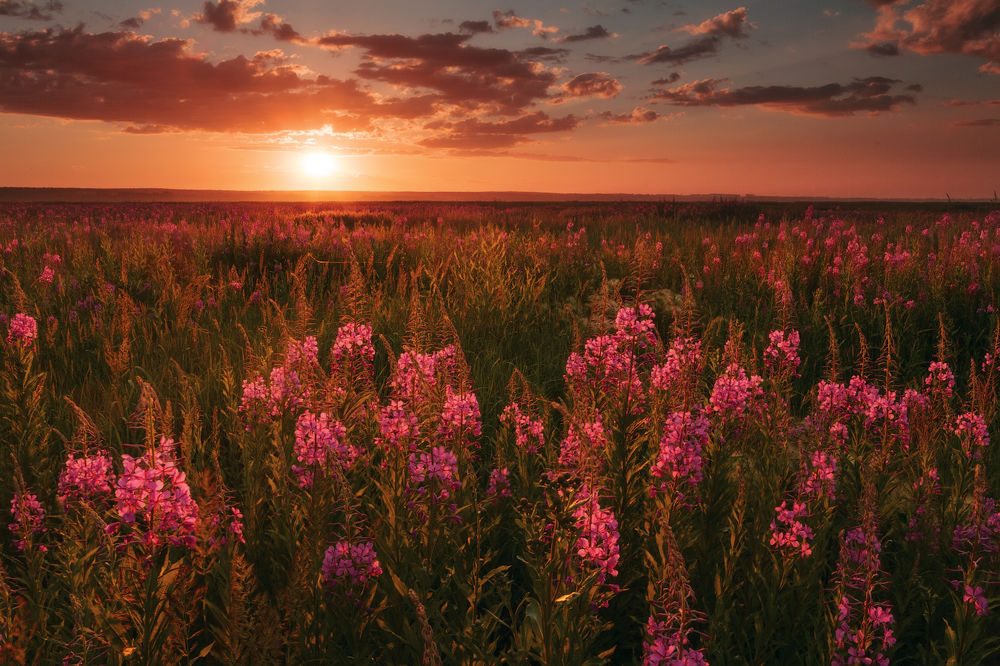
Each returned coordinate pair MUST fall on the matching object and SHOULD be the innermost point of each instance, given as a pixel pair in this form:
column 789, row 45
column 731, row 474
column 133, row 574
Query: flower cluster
column 529, row 433
column 583, row 447
column 433, row 479
column 971, row 430
column 262, row 400
column 782, row 354
column 940, row 379
column 460, row 421
column 29, row 520
column 735, row 395
column 85, row 478
column 353, row 343
column 679, row 460
column 682, row 366
column 153, row 496
column 398, row 427
column 320, row 443
column 820, row 480
column 417, row 374
column 230, row 520
column 864, row 631
column 23, row 329
column 789, row 532
column 669, row 646
column 597, row 543
column 499, row 484
column 302, row 355
column 350, row 566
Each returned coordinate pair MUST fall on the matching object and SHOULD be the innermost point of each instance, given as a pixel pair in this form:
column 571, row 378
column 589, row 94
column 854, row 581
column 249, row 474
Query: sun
column 317, row 164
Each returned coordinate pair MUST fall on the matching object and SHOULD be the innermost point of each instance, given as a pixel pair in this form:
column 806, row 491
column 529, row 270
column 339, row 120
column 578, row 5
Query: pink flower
column 736, row 395
column 529, row 433
column 460, row 422
column 788, row 531
column 350, row 565
column 679, row 459
column 29, row 520
column 597, row 543
column 940, row 379
column 499, row 485
column 971, row 430
column 23, row 330
column 398, row 427
column 86, row 478
column 47, row 276
column 320, row 443
column 975, row 596
column 782, row 354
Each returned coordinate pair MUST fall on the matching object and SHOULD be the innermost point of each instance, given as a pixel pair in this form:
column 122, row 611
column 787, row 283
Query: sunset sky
column 866, row 98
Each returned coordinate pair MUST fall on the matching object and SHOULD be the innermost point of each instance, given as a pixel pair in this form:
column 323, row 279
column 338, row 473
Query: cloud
column 730, row 24
column 973, row 102
column 277, row 27
column 982, row 122
column 883, row 49
column 967, row 27
column 709, row 35
column 640, row 115
column 471, row 77
column 474, row 133
column 135, row 22
column 672, row 77
column 592, row 84
column 508, row 19
column 593, row 32
column 228, row 15
column 474, row 27
column 148, row 84
column 544, row 53
column 28, row 9
column 870, row 95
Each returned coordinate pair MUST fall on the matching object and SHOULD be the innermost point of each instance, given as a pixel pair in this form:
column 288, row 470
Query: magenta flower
column 679, row 460
column 86, row 478
column 29, row 520
column 23, row 330
column 736, row 395
column 350, row 566
column 789, row 532
column 320, row 442
column 782, row 354
column 529, row 433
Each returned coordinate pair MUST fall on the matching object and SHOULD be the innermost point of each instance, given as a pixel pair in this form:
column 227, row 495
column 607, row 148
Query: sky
column 844, row 98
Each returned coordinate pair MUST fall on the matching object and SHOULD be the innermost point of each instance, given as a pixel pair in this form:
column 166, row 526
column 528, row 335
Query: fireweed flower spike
column 22, row 330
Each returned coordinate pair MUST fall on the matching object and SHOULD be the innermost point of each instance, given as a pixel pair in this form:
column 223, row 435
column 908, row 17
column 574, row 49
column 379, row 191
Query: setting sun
column 317, row 164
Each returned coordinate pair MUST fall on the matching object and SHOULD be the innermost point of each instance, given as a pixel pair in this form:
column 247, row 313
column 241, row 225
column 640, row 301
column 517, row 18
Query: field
column 546, row 433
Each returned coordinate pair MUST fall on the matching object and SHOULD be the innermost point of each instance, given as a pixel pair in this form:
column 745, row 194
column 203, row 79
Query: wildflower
column 302, row 355
column 584, row 445
column 940, row 379
column 85, row 478
column 788, row 531
column 232, row 531
column 782, row 354
column 254, row 404
column 398, row 427
column 597, row 541
column 23, row 330
column 320, row 443
column 667, row 645
column 820, row 480
column 460, row 418
column 350, row 565
column 153, row 494
column 529, row 433
column 971, row 430
column 47, row 276
column 681, row 367
column 29, row 520
column 679, row 459
column 735, row 394
column 499, row 485
column 354, row 341
column 975, row 596
column 286, row 391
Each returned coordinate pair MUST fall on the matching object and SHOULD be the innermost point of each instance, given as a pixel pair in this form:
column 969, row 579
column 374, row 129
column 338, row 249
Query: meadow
column 549, row 433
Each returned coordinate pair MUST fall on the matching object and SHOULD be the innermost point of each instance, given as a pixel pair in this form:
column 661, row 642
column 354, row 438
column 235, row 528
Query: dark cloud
column 488, row 79
column 474, row 133
column 709, row 35
column 28, row 9
column 592, row 84
column 593, row 32
column 637, row 116
column 227, row 15
column 474, row 27
column 544, row 53
column 982, row 122
column 883, row 49
column 973, row 102
column 133, row 23
column 127, row 78
column 277, row 27
column 509, row 19
column 871, row 95
column 672, row 77
column 967, row 27
column 596, row 57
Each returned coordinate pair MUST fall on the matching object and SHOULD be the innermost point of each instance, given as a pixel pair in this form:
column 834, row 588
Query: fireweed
column 529, row 433
column 320, row 446
column 22, row 330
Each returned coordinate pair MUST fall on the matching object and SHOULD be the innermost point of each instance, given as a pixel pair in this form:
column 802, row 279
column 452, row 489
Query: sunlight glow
column 317, row 164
